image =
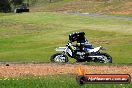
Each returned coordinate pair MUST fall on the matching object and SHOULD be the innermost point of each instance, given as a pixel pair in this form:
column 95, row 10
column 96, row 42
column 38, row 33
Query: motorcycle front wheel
column 58, row 57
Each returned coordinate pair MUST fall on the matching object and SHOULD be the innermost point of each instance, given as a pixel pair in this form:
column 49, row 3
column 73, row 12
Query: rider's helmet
column 76, row 36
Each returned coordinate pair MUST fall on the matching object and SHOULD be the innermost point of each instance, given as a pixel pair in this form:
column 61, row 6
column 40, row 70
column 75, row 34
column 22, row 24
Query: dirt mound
column 22, row 70
column 122, row 12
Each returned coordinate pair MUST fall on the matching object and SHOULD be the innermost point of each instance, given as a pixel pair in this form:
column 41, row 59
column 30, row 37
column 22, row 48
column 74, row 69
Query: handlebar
column 70, row 44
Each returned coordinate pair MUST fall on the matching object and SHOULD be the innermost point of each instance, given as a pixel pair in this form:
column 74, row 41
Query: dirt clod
column 7, row 65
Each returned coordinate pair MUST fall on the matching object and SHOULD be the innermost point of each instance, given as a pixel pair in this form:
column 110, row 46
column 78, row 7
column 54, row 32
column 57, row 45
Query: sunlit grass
column 34, row 36
column 58, row 81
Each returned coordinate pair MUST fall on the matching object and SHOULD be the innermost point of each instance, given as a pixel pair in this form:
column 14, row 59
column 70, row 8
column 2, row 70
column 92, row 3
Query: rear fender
column 97, row 49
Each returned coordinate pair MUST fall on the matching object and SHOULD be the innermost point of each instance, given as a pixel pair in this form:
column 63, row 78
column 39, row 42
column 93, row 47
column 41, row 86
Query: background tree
column 16, row 2
column 50, row 1
column 5, row 6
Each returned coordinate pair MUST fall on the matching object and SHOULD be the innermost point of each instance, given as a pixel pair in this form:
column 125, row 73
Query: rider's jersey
column 84, row 43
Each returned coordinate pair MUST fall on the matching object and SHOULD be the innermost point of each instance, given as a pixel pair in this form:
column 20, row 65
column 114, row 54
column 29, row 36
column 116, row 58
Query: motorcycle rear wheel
column 106, row 58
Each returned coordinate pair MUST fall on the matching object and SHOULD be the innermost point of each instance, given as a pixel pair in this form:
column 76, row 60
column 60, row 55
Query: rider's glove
column 78, row 44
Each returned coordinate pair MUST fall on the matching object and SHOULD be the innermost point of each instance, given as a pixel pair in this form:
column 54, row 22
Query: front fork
column 63, row 52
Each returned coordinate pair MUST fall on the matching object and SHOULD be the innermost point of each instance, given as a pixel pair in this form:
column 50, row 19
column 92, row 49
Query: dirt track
column 22, row 70
column 103, row 16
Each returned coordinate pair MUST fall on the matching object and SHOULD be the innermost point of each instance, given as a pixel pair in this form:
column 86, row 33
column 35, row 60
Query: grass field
column 33, row 37
column 30, row 37
column 62, row 81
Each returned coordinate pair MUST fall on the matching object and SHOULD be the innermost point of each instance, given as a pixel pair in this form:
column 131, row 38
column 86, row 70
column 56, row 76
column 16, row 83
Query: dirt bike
column 89, row 55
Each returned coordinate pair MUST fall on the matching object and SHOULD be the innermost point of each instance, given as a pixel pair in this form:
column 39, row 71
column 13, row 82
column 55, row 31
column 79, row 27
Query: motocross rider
column 82, row 43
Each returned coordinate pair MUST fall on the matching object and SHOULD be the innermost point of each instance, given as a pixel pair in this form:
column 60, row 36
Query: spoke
column 59, row 59
column 105, row 59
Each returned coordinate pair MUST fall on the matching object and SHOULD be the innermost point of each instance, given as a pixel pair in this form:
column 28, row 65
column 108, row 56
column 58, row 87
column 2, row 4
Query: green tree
column 5, row 6
column 16, row 2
